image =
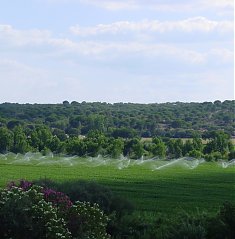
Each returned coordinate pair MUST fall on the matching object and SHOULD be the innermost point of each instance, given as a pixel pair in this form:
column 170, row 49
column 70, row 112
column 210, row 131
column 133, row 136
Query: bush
column 25, row 214
column 86, row 221
column 131, row 227
column 223, row 224
column 188, row 230
column 92, row 192
column 84, row 191
column 188, row 226
column 30, row 211
column 41, row 212
column 227, row 216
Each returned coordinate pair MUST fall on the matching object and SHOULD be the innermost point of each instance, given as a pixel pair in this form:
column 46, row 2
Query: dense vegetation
column 175, row 120
column 114, row 129
column 40, row 138
column 28, row 210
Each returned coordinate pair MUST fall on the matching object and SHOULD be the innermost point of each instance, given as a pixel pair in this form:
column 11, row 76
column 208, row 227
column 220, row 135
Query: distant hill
column 177, row 120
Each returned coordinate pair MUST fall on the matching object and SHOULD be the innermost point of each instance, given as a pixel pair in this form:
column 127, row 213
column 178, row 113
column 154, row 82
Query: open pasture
column 152, row 185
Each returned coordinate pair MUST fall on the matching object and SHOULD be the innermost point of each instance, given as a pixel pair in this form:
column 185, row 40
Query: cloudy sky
column 116, row 50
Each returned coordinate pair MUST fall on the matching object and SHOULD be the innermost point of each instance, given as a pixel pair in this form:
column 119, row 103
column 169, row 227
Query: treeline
column 127, row 120
column 41, row 138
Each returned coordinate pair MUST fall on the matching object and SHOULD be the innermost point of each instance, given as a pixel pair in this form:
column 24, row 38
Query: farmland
column 152, row 185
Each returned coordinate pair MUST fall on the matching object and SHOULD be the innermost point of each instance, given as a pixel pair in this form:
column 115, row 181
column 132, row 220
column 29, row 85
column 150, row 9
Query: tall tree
column 21, row 144
column 158, row 148
column 41, row 137
column 6, row 139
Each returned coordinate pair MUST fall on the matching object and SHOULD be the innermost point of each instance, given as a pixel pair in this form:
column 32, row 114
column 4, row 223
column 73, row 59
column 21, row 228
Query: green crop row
column 165, row 190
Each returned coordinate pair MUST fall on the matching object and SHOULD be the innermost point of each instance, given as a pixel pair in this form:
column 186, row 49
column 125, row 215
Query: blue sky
column 139, row 51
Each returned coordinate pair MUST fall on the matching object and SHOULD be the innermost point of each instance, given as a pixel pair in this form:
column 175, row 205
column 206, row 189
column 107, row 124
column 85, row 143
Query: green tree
column 40, row 138
column 133, row 148
column 197, row 143
column 96, row 143
column 55, row 145
column 115, row 148
column 220, row 142
column 188, row 147
column 175, row 148
column 13, row 123
column 21, row 144
column 96, row 122
column 193, row 148
column 76, row 146
column 6, row 139
column 158, row 148
column 195, row 153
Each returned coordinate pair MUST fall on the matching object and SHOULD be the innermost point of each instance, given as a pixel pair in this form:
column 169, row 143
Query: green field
column 152, row 185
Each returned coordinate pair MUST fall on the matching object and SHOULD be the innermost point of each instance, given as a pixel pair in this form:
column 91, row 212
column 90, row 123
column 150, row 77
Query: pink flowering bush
column 25, row 214
column 30, row 211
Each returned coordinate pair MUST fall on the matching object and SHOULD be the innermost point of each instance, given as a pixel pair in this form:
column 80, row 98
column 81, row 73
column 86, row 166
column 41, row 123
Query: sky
column 140, row 51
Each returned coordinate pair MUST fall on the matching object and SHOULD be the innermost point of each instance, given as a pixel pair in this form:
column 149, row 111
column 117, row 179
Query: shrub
column 222, row 225
column 188, row 230
column 187, row 226
column 84, row 191
column 86, row 221
column 132, row 227
column 25, row 214
column 30, row 211
column 92, row 192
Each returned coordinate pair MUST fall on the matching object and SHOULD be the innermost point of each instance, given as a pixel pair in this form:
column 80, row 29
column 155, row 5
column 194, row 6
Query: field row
column 166, row 189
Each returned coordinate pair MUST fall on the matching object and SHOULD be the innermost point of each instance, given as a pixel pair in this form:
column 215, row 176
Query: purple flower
column 58, row 199
column 24, row 184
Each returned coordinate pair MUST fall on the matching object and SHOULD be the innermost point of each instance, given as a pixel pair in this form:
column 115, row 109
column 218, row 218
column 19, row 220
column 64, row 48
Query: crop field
column 152, row 185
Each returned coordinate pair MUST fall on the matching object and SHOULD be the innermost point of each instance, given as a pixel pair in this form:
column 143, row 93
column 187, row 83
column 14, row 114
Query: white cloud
column 112, row 4
column 137, row 56
column 196, row 24
column 219, row 3
column 222, row 55
column 159, row 4
column 106, row 4
column 23, row 37
column 110, row 50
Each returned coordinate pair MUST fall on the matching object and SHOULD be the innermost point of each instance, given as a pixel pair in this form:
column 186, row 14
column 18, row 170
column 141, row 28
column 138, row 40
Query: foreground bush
column 29, row 211
column 222, row 226
column 86, row 191
column 25, row 214
column 116, row 207
column 182, row 225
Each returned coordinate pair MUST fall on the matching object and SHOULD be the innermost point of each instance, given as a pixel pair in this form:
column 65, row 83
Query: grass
column 204, row 187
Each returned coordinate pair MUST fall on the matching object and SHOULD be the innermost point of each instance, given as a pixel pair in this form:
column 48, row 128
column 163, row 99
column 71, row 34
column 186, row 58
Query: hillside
column 177, row 120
